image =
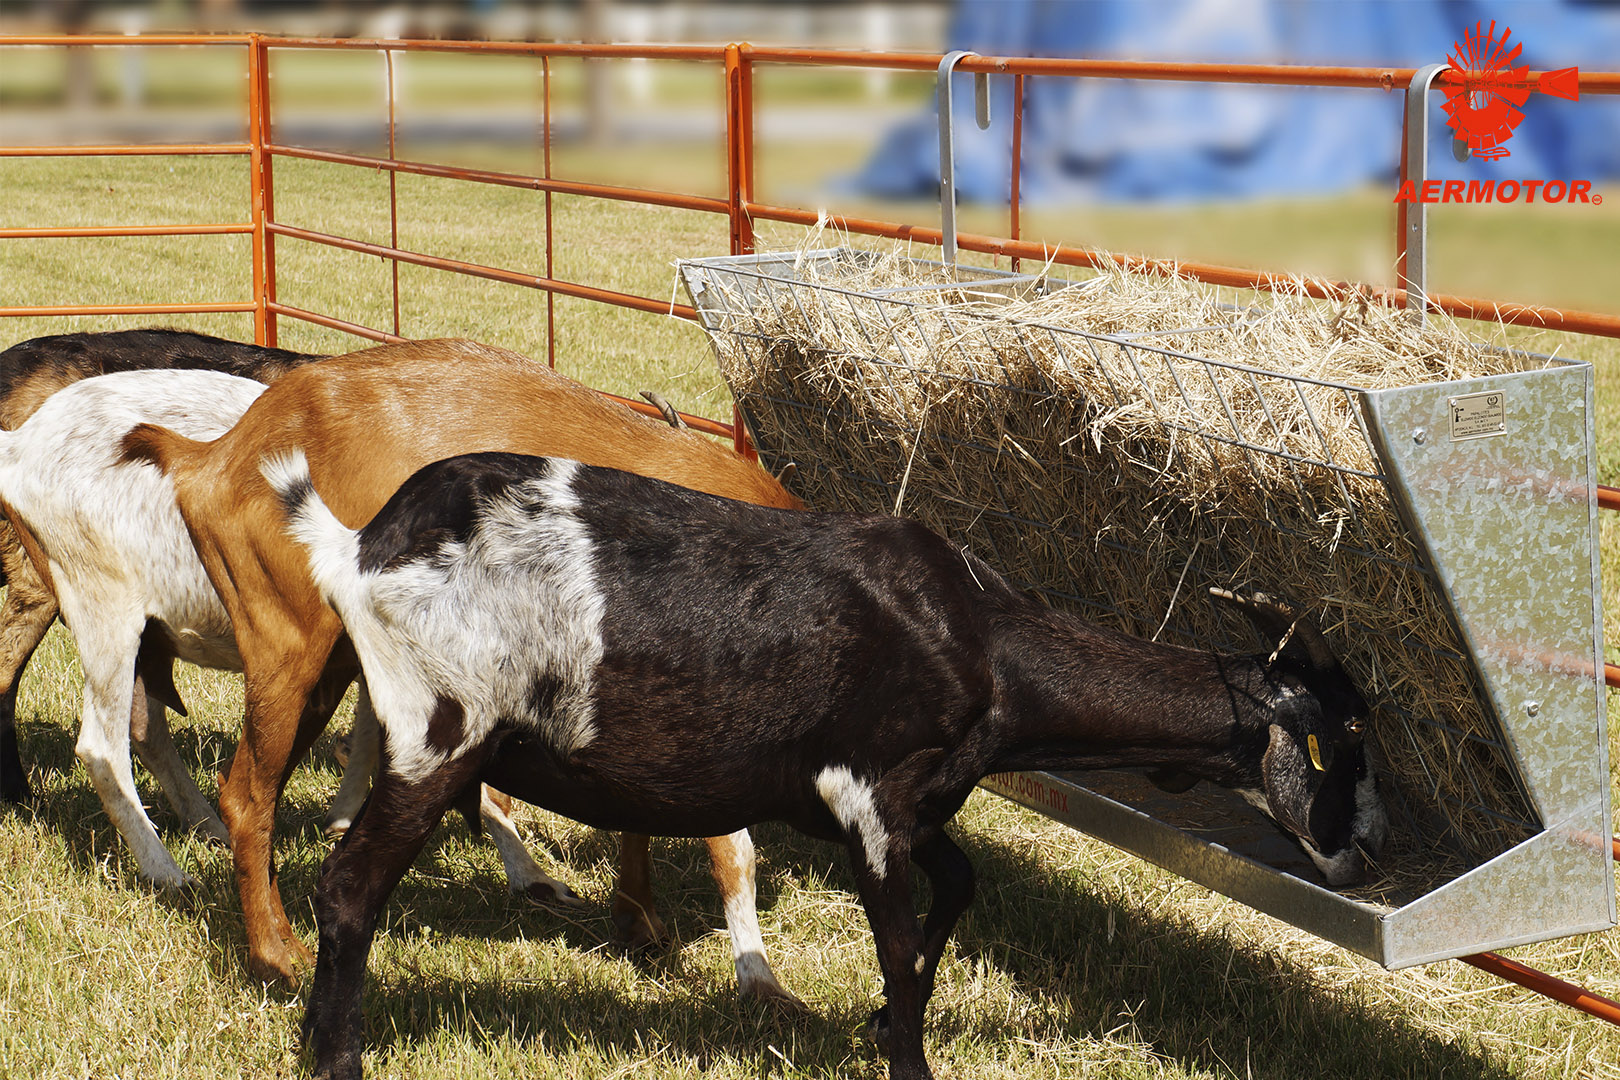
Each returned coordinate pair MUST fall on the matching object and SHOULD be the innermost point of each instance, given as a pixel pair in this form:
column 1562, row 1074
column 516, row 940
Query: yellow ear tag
column 1316, row 752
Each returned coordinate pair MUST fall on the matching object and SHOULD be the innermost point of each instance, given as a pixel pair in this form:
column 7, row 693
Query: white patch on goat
column 1347, row 864
column 119, row 554
column 1255, row 798
column 1341, row 869
column 1370, row 825
column 474, row 622
column 754, row 975
column 852, row 804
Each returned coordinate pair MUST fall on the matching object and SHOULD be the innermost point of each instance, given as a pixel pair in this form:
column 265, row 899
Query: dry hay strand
column 1120, row 445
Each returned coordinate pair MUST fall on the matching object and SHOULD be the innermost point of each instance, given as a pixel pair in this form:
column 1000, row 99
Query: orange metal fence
column 738, row 63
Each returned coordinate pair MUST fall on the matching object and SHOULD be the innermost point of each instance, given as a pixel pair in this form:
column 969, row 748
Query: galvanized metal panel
column 1553, row 885
column 1508, row 523
column 1339, row 919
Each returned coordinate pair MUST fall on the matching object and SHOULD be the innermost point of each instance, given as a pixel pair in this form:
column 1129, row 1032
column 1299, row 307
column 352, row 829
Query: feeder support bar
column 947, row 164
column 1417, row 171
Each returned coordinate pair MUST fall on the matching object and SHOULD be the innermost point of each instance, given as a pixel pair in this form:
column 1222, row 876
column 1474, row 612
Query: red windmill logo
column 1483, row 101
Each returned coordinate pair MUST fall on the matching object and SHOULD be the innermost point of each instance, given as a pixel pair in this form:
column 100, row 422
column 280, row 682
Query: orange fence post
column 545, row 171
column 739, row 149
column 393, row 182
column 264, row 261
column 740, row 185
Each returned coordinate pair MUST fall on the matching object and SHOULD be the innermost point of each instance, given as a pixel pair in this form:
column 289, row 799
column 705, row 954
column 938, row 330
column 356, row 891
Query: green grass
column 1075, row 961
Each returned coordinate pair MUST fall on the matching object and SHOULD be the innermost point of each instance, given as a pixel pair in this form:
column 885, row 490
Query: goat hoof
column 340, row 750
column 877, row 1030
column 638, row 931
column 16, row 790
column 777, row 998
column 335, row 830
column 185, row 895
column 214, row 833
column 284, row 967
column 756, row 981
column 554, row 895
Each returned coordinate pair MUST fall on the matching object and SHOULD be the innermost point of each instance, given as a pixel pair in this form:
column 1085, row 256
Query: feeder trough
column 1443, row 534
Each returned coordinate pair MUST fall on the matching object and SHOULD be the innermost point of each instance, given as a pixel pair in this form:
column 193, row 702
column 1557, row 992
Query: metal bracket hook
column 1417, row 171
column 947, row 160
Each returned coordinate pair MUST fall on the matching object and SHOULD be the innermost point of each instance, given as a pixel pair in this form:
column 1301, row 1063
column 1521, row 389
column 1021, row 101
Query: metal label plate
column 1478, row 416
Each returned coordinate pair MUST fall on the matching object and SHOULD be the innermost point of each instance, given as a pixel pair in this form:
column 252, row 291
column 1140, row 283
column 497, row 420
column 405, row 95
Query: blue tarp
column 1119, row 140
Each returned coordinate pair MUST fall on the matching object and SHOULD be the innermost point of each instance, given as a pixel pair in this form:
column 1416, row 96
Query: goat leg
column 731, row 858
column 154, row 745
column 952, row 882
column 356, row 880
column 885, row 891
column 635, row 917
column 287, row 707
column 523, row 874
column 359, row 763
column 29, row 609
column 104, row 746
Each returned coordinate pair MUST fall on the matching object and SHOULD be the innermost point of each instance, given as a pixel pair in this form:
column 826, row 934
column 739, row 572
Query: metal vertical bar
column 947, row 154
column 1017, row 159
column 745, row 97
column 271, row 323
column 258, row 105
column 739, row 183
column 393, row 183
column 736, row 168
column 1414, row 275
column 1400, row 209
column 739, row 177
column 545, row 167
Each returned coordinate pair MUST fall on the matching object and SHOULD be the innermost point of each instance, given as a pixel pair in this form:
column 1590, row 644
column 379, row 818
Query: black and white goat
column 640, row 656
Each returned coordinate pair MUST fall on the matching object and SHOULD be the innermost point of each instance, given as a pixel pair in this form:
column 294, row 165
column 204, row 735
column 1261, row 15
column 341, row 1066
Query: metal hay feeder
column 1489, row 481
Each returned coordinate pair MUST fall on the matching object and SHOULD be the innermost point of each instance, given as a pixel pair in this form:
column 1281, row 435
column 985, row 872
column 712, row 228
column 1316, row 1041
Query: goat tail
column 333, row 547
column 158, row 445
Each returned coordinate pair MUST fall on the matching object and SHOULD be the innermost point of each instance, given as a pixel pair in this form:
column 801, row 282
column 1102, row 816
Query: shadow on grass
column 1189, row 994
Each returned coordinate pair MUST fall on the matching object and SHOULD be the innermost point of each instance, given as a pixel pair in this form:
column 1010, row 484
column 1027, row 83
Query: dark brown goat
column 640, row 656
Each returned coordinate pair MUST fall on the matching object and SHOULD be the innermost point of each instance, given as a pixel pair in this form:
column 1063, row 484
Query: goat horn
column 665, row 409
column 1316, row 646
column 1279, row 623
column 787, row 473
column 1269, row 617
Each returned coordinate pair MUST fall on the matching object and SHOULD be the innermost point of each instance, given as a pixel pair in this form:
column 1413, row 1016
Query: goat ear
column 1282, row 770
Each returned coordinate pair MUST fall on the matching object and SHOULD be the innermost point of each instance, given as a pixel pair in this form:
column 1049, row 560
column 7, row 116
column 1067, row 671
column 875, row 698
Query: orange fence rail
column 738, row 63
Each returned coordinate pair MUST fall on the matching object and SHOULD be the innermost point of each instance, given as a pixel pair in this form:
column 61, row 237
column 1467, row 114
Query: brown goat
column 367, row 421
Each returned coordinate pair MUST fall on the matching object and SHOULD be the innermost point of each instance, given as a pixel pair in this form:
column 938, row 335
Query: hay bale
column 1118, row 446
